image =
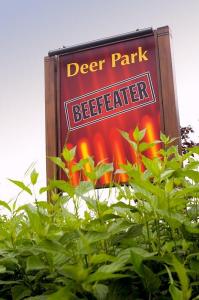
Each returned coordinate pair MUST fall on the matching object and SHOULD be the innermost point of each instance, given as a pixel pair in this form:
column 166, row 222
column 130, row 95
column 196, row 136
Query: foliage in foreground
column 142, row 245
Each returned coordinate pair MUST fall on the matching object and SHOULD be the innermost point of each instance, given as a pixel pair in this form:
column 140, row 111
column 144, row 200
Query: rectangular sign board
column 95, row 90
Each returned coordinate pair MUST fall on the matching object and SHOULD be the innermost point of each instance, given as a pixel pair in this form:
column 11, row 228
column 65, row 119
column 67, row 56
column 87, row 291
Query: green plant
column 142, row 245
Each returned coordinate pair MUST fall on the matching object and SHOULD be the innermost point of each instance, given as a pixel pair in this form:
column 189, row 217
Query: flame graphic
column 119, row 159
column 74, row 177
column 85, row 153
column 151, row 135
column 101, row 156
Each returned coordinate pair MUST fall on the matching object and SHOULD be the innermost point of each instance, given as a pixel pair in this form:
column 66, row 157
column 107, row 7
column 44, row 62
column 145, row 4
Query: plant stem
column 148, row 234
column 150, row 296
column 76, row 207
column 157, row 225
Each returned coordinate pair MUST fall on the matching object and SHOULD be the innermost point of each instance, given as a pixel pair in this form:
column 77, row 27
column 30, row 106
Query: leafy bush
column 142, row 245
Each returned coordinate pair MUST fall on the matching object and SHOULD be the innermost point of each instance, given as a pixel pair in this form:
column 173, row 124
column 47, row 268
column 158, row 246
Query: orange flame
column 151, row 135
column 119, row 158
column 74, row 177
column 133, row 153
column 85, row 153
column 102, row 156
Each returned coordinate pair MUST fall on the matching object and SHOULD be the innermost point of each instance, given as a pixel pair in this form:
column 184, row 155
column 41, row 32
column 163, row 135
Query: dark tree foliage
column 186, row 140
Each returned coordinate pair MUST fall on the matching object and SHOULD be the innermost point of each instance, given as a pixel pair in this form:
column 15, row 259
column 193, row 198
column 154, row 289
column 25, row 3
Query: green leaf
column 63, row 186
column 33, row 217
column 139, row 134
column 169, row 185
column 44, row 189
column 91, row 203
column 33, row 177
column 185, row 192
column 62, row 294
column 154, row 166
column 44, row 204
column 79, row 165
column 192, row 165
column 20, row 292
column 134, row 231
column 125, row 206
column 164, row 138
column 116, row 266
column 127, row 138
column 194, row 175
column 175, row 220
column 118, row 226
column 109, row 216
column 101, row 258
column 125, row 135
column 34, row 263
column 192, row 228
column 137, row 257
column 5, row 205
column 151, row 280
column 98, row 276
column 103, row 169
column 195, row 150
column 146, row 187
column 10, row 282
column 94, row 236
column 175, row 292
column 145, row 146
column 76, row 272
column 83, row 188
column 2, row 269
column 68, row 155
column 21, row 185
column 58, row 162
column 51, row 246
column 100, row 291
column 42, row 297
column 184, row 280
column 166, row 174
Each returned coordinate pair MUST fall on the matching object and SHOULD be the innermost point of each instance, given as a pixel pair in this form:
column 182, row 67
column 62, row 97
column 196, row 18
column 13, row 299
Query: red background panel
column 102, row 140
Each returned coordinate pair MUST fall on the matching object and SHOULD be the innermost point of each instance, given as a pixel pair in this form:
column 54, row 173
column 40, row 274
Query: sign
column 104, row 87
column 111, row 101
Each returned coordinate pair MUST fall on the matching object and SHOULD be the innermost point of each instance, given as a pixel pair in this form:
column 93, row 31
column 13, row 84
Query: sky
column 30, row 28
